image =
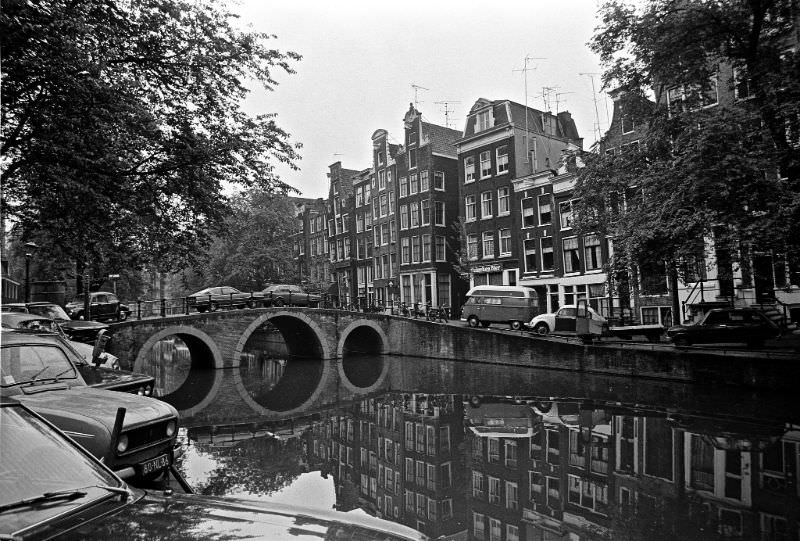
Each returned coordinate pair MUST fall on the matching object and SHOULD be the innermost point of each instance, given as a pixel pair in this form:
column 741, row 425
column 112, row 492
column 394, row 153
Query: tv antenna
column 558, row 100
column 524, row 70
column 417, row 88
column 447, row 111
column 594, row 99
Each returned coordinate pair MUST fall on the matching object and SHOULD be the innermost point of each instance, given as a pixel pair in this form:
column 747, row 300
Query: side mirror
column 99, row 347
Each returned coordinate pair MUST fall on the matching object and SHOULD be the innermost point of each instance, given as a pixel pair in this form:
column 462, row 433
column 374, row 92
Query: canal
column 473, row 451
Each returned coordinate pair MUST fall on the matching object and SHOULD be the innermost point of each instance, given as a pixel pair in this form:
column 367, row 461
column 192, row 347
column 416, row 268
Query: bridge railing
column 147, row 308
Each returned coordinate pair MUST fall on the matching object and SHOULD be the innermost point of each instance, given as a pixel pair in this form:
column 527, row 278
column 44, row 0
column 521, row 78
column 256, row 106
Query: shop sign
column 496, row 267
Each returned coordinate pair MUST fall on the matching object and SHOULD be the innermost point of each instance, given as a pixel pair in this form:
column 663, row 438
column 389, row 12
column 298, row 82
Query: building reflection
column 506, row 469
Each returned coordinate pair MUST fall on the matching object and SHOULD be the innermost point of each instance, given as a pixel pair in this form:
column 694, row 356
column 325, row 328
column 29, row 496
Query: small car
column 41, row 371
column 288, row 294
column 725, row 325
column 562, row 320
column 511, row 305
column 212, row 299
column 78, row 330
column 50, row 487
column 103, row 305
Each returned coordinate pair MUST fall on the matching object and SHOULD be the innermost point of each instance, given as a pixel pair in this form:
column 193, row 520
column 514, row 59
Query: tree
column 731, row 171
column 122, row 125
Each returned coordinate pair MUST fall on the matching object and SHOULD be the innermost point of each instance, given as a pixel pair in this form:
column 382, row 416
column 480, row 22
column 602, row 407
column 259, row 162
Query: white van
column 514, row 305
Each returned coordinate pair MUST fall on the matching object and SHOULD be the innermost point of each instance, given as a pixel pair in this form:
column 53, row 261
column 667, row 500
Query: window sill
column 469, row 181
column 499, row 173
column 489, row 217
column 594, row 271
column 486, row 177
column 504, row 214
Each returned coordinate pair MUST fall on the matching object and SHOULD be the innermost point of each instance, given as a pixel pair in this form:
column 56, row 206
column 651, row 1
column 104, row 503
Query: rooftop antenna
column 446, row 111
column 417, row 88
column 558, row 100
column 524, row 70
column 546, row 92
column 594, row 99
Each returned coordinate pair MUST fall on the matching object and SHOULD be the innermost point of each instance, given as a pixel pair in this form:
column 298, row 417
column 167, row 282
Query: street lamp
column 30, row 247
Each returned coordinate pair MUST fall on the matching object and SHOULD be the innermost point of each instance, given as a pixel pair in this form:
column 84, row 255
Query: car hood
column 98, row 404
column 82, row 324
column 203, row 517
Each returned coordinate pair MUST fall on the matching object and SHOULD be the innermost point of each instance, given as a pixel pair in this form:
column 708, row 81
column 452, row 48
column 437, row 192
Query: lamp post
column 30, row 247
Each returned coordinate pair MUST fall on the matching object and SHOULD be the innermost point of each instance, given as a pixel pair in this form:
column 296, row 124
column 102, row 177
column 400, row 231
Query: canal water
column 477, row 451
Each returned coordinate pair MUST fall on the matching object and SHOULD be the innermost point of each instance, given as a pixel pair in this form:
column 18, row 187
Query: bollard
column 163, row 307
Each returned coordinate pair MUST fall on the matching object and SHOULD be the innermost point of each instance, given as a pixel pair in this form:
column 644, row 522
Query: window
column 438, row 212
column 495, row 529
column 502, row 159
column 503, row 201
column 404, row 251
column 426, row 211
column 512, row 496
column 488, row 244
column 545, row 210
column 471, row 208
column 440, row 250
column 426, row 247
column 512, row 532
column 469, row 169
column 403, row 216
column 384, row 233
column 486, row 205
column 384, row 204
column 391, row 202
column 415, row 214
column 478, row 526
column 483, row 120
column 511, row 453
column 381, row 158
column 412, row 158
column 505, row 241
column 494, row 490
column 415, row 249
column 628, row 124
column 438, row 180
column 547, row 253
column 414, row 184
column 472, row 246
column 486, row 164
column 403, row 186
column 493, row 450
column 477, row 484
column 528, row 219
column 424, row 182
column 431, row 477
column 530, row 255
column 567, row 216
column 592, row 253
column 572, row 259
column 382, row 179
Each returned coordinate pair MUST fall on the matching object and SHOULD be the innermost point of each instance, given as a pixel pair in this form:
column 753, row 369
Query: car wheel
column 516, row 325
column 473, row 321
column 681, row 340
column 213, row 307
column 541, row 328
column 278, row 303
column 122, row 315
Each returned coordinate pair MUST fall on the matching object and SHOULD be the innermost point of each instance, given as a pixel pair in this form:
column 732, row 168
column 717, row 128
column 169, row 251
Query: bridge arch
column 319, row 334
column 206, row 358
column 367, row 330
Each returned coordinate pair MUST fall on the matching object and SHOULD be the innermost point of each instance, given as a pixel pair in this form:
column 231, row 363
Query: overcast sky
column 360, row 60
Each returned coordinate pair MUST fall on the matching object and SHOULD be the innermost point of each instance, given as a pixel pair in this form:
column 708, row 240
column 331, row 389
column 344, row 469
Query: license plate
column 154, row 464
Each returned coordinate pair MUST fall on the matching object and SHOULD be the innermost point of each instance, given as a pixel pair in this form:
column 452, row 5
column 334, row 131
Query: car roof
column 16, row 317
column 14, row 338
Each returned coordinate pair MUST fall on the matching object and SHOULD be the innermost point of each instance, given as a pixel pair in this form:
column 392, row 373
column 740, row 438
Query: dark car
column 41, row 371
column 51, row 488
column 78, row 330
column 288, row 294
column 212, row 299
column 103, row 305
column 722, row 325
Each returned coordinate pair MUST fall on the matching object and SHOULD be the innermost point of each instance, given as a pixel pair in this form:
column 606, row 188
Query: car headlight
column 148, row 391
column 122, row 443
column 140, row 391
column 171, row 426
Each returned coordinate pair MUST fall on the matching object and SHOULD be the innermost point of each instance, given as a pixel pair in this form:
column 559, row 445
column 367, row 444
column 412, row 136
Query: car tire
column 681, row 340
column 213, row 307
column 516, row 325
column 473, row 321
column 122, row 315
column 542, row 329
column 278, row 303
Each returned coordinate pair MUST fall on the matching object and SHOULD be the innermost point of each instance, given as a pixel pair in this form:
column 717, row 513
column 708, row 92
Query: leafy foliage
column 731, row 170
column 122, row 126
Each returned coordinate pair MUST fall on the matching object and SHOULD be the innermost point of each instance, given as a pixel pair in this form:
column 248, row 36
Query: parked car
column 722, row 325
column 103, row 305
column 512, row 305
column 41, row 371
column 212, row 299
column 563, row 320
column 50, row 487
column 78, row 330
column 288, row 294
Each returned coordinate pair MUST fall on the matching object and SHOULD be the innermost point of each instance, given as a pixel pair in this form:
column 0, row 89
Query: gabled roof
column 441, row 139
column 507, row 112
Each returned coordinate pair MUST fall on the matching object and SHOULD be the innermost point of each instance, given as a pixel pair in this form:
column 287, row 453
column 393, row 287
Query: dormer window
column 484, row 120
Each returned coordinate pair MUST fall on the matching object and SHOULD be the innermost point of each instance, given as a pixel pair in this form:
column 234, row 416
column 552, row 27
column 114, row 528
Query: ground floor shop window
column 443, row 287
column 657, row 315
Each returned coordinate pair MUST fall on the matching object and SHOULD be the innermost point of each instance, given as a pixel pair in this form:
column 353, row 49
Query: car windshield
column 42, row 475
column 52, row 311
column 27, row 363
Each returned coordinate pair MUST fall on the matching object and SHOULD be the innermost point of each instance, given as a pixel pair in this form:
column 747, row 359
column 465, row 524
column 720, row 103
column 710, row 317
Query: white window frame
column 469, row 169
column 482, row 161
column 503, row 195
column 502, row 160
column 484, row 201
column 504, row 239
column 470, row 202
column 487, row 237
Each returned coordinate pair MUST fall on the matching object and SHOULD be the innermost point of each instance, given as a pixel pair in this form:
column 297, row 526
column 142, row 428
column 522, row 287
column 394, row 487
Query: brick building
column 383, row 213
column 341, row 234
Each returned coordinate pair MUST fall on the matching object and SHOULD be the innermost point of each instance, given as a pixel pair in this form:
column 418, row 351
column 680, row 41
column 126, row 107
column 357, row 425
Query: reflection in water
column 487, row 452
column 260, row 373
column 170, row 363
